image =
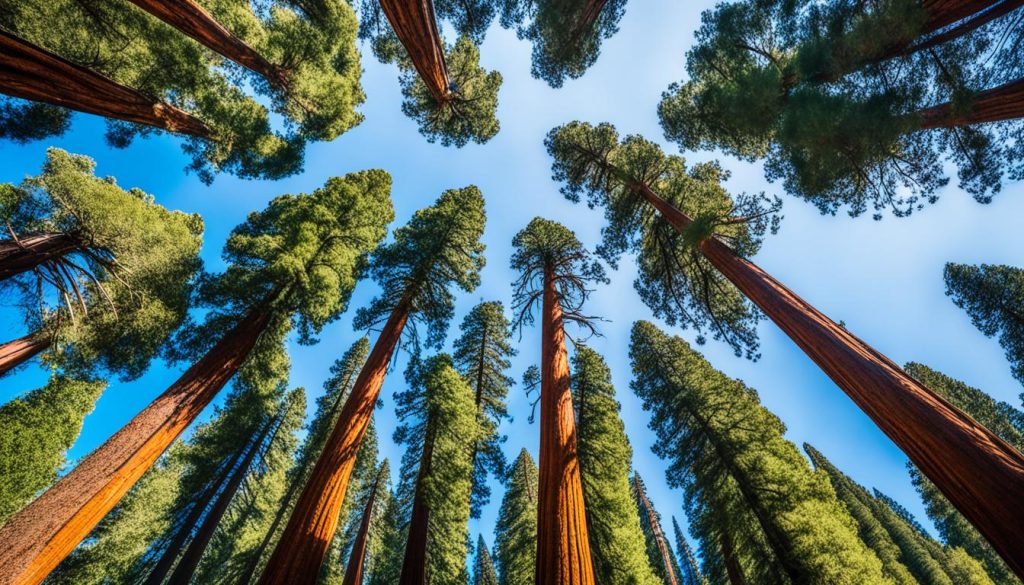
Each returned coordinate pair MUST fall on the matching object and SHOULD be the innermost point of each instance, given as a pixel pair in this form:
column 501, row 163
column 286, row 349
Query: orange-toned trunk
column 300, row 552
column 24, row 254
column 982, row 475
column 416, row 27
column 356, row 560
column 656, row 531
column 1005, row 102
column 563, row 548
column 36, row 539
column 20, row 350
column 414, row 564
column 194, row 21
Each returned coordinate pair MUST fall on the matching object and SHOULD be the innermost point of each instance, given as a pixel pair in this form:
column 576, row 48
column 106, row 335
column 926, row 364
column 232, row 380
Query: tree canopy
column 516, row 530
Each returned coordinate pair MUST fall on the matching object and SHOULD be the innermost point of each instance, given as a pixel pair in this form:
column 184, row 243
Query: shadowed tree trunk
column 300, row 552
column 356, row 560
column 24, row 254
column 563, row 546
column 20, row 350
column 982, row 475
column 194, row 21
column 33, row 73
column 977, row 20
column 659, row 535
column 38, row 538
column 416, row 27
column 1005, row 102
column 943, row 13
column 732, row 565
column 414, row 565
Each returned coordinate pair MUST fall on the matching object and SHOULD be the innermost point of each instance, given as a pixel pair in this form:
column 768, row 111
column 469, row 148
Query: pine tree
column 658, row 550
column 36, row 431
column 606, row 458
column 483, row 566
column 696, row 413
column 438, row 248
column 363, row 551
column 689, row 570
column 292, row 265
column 391, row 538
column 516, row 531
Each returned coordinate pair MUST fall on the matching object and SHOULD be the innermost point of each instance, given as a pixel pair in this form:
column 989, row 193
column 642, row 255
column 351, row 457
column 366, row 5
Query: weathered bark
column 36, row 539
column 414, row 564
column 563, row 546
column 194, row 21
column 33, row 73
column 300, row 552
column 732, row 565
column 18, row 351
column 982, row 475
column 1005, row 102
column 656, row 531
column 24, row 254
column 416, row 27
column 356, row 560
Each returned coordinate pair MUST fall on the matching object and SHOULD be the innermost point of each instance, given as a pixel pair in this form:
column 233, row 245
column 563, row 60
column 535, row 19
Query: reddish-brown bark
column 33, row 73
column 1005, row 102
column 300, row 552
column 943, row 13
column 194, row 21
column 977, row 20
column 356, row 560
column 982, row 475
column 416, row 27
column 659, row 535
column 414, row 564
column 563, row 546
column 20, row 350
column 733, row 569
column 35, row 540
column 23, row 254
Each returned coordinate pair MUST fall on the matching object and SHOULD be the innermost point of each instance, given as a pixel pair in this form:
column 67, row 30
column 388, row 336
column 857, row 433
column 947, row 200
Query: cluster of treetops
column 108, row 280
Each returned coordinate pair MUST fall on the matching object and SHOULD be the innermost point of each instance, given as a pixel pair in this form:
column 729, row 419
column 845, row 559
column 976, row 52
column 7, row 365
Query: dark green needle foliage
column 662, row 560
column 515, row 535
column 721, row 443
column 312, row 43
column 606, row 458
column 992, row 296
column 391, row 535
column 481, row 354
column 675, row 280
column 483, row 566
column 36, row 431
column 690, row 570
column 109, row 304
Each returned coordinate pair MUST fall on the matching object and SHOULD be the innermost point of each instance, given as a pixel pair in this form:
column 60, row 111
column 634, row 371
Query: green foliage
column 690, row 570
column 483, row 566
column 126, row 286
column 332, row 572
column 659, row 553
column 720, row 441
column 675, row 280
column 387, row 566
column 36, row 430
column 606, row 457
column 440, row 246
column 23, row 122
column 515, row 538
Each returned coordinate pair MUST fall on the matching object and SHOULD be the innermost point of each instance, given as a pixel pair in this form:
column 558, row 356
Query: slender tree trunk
column 659, row 535
column 732, row 565
column 356, row 560
column 982, row 475
column 414, row 565
column 563, row 546
column 39, row 537
column 1005, row 102
column 24, row 254
column 300, row 552
column 33, row 73
column 416, row 27
column 18, row 351
column 194, row 21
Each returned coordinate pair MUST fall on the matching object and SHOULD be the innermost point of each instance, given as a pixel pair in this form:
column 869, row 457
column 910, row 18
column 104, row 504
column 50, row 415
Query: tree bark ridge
column 416, row 27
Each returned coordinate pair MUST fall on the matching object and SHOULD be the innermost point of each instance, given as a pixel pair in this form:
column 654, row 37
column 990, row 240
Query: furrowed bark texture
column 300, row 552
column 24, row 254
column 414, row 564
column 416, row 27
column 194, row 21
column 356, row 560
column 36, row 539
column 1005, row 102
column 563, row 547
column 20, row 350
column 33, row 73
column 982, row 475
column 659, row 534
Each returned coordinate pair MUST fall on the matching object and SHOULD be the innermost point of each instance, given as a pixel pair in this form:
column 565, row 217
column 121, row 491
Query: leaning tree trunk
column 194, row 21
column 24, row 254
column 656, row 531
column 563, row 548
column 977, row 20
column 414, row 564
column 35, row 540
column 733, row 569
column 356, row 560
column 943, row 13
column 1005, row 102
column 416, row 27
column 300, row 552
column 33, row 73
column 982, row 475
column 20, row 350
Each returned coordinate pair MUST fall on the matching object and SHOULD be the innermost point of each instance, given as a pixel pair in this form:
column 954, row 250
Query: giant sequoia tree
column 659, row 551
column 438, row 248
column 366, row 544
column 515, row 535
column 140, row 71
column 555, row 270
column 976, row 470
column 292, row 265
column 103, row 273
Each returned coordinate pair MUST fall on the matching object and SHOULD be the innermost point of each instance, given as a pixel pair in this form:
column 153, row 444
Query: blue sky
column 883, row 278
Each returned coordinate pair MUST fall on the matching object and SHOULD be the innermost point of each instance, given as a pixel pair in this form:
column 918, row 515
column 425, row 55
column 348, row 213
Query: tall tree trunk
column 563, row 546
column 733, row 569
column 18, row 351
column 35, row 540
column 943, row 13
column 24, row 254
column 982, row 475
column 33, row 73
column 356, row 560
column 659, row 535
column 300, row 552
column 416, row 27
column 1005, row 102
column 414, row 565
column 977, row 20
column 194, row 21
